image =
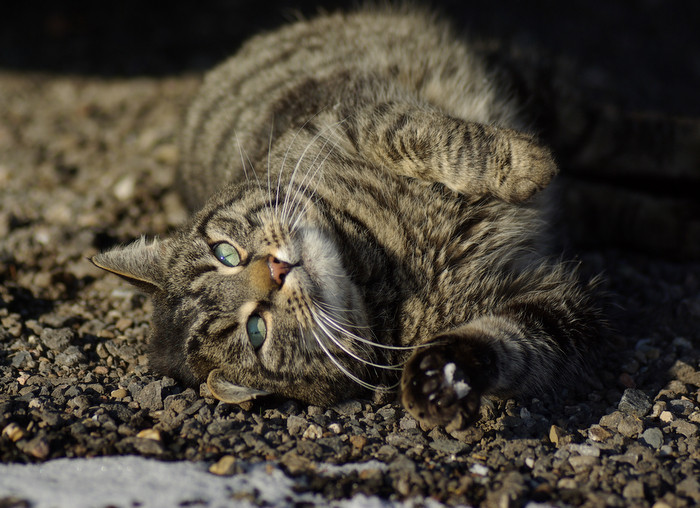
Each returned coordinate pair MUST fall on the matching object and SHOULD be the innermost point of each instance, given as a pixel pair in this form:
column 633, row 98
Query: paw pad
column 458, row 383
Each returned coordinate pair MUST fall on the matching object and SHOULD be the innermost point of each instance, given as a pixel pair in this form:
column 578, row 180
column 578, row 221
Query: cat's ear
column 470, row 158
column 228, row 392
column 140, row 263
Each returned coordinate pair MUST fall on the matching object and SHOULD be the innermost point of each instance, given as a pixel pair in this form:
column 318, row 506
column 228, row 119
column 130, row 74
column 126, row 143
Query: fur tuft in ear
column 140, row 263
column 226, row 391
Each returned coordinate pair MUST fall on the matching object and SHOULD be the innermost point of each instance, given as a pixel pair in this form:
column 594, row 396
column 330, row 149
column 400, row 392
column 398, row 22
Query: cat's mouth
column 310, row 268
column 318, row 268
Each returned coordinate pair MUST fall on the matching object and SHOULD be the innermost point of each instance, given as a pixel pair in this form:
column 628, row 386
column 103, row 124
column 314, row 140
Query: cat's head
column 252, row 296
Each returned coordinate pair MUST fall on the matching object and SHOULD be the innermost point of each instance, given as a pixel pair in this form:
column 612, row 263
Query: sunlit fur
column 373, row 154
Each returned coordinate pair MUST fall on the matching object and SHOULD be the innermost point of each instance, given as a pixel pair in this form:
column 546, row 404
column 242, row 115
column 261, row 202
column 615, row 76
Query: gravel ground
column 86, row 161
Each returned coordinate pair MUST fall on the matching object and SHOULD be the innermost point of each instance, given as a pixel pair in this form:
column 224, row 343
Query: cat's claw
column 436, row 391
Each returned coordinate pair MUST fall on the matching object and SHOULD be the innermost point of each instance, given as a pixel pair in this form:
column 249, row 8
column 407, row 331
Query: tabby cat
column 369, row 216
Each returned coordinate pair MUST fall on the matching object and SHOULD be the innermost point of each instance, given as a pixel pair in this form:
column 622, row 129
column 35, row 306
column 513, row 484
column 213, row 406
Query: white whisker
column 284, row 159
column 341, row 321
column 302, row 212
column 285, row 210
column 269, row 150
column 347, row 372
column 377, row 344
column 240, row 151
column 328, row 333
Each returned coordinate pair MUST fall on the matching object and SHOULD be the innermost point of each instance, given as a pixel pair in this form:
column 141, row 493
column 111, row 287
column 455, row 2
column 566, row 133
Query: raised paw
column 530, row 169
column 436, row 391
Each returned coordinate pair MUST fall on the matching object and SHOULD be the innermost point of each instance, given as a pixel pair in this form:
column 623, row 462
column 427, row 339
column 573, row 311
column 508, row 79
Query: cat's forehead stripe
column 225, row 225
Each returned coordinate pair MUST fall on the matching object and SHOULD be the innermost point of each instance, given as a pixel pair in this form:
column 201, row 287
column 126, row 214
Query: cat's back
column 277, row 81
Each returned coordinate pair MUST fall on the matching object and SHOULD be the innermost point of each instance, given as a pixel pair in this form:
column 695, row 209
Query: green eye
column 227, row 254
column 257, row 330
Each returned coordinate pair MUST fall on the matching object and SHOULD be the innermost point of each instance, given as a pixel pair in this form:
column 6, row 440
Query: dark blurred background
column 647, row 50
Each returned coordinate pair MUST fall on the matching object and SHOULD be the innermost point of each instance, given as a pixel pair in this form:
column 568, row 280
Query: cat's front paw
column 436, row 391
column 531, row 168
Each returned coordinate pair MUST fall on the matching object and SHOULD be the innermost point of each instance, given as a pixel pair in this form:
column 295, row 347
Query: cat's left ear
column 226, row 391
column 140, row 263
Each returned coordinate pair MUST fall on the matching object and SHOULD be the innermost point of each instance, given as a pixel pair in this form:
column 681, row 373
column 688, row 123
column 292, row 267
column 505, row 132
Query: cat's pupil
column 257, row 330
column 227, row 254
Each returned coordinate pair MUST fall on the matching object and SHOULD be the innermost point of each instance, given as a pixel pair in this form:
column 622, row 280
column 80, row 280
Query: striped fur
column 373, row 158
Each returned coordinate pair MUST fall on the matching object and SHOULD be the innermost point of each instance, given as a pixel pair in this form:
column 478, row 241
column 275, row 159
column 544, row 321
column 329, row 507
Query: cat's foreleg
column 471, row 158
column 442, row 384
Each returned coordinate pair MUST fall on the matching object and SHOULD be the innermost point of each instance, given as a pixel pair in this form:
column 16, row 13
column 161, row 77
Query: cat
column 369, row 214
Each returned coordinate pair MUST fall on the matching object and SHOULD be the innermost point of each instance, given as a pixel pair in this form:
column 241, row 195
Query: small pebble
column 13, row 431
column 449, row 446
column 666, row 416
column 633, row 490
column 69, row 357
column 681, row 407
column 152, row 434
column 689, row 487
column 634, row 402
column 224, row 466
column 312, row 432
column 582, row 463
column 386, row 453
column 358, row 442
column 587, row 450
column 630, row 426
column 124, row 189
column 58, row 340
column 567, row 484
column 388, row 413
column 479, row 469
column 408, row 423
column 296, row 425
column 684, row 428
column 598, row 434
column 150, row 397
column 657, row 408
column 314, row 411
column 555, row 435
column 37, row 448
column 348, row 408
column 296, row 464
column 653, row 437
column 119, row 393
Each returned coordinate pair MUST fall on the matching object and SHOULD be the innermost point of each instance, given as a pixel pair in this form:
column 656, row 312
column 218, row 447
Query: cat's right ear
column 140, row 263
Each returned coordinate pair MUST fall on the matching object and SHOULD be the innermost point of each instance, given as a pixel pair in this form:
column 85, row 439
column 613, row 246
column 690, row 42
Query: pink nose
column 278, row 269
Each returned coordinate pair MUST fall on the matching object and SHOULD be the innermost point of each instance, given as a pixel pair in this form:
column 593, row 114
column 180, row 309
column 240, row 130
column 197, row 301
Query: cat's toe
column 438, row 392
column 532, row 168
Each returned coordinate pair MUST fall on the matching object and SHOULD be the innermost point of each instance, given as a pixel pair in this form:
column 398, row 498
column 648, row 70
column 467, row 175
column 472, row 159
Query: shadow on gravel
column 24, row 303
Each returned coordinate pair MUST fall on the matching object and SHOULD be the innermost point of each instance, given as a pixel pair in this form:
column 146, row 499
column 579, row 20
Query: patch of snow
column 352, row 467
column 149, row 483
